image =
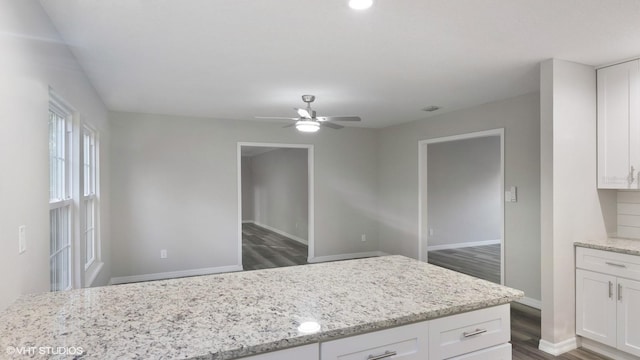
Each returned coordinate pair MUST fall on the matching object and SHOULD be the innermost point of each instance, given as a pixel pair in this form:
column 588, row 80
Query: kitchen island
column 233, row 315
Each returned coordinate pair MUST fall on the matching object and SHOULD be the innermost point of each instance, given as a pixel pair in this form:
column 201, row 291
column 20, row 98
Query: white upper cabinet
column 619, row 126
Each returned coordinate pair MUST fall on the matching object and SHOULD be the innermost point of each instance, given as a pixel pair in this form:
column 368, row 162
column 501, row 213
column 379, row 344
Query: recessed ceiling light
column 431, row 108
column 360, row 4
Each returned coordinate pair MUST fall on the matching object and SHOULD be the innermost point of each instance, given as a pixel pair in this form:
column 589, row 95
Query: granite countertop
column 619, row 245
column 231, row 315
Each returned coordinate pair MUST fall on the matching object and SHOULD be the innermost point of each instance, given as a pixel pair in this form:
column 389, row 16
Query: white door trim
column 422, row 194
column 310, row 190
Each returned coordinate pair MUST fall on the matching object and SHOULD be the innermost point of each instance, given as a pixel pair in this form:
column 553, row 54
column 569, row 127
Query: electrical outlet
column 430, row 231
column 22, row 239
column 163, row 254
column 364, row 237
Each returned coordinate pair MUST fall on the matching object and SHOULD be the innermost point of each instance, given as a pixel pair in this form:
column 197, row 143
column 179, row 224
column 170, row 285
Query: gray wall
column 34, row 59
column 398, row 181
column 463, row 191
column 175, row 187
column 280, row 191
column 247, row 189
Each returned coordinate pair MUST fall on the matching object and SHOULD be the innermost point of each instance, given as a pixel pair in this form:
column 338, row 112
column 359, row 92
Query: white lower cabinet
column 468, row 332
column 408, row 342
column 608, row 299
column 477, row 335
column 500, row 352
column 305, row 352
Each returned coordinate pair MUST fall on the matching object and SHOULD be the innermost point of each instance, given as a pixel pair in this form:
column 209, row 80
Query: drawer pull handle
column 382, row 356
column 616, row 265
column 474, row 333
column 610, row 290
column 619, row 292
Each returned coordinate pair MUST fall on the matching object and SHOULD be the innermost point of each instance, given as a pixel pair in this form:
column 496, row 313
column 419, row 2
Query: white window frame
column 90, row 198
column 61, row 204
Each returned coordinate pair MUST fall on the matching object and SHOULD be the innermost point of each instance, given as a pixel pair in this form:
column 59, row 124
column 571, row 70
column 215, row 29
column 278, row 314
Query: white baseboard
column 605, row 350
column 463, row 245
column 558, row 348
column 174, row 274
column 537, row 304
column 318, row 259
column 283, row 233
column 248, row 222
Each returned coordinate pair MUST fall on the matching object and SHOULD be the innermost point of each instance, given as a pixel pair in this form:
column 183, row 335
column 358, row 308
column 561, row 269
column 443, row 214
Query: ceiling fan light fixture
column 309, row 126
column 360, row 4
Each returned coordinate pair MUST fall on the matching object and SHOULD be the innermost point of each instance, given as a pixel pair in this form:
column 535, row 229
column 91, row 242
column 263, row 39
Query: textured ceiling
column 235, row 59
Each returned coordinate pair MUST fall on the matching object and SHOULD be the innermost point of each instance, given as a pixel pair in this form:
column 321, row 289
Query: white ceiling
column 235, row 59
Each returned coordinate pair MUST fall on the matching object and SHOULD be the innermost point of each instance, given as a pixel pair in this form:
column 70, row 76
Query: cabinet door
column 613, row 126
column 500, row 352
column 596, row 306
column 634, row 120
column 629, row 316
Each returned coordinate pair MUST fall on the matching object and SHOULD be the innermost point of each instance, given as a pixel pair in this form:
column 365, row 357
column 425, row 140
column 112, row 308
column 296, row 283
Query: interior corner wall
column 247, row 189
column 280, row 191
column 175, row 187
column 398, row 181
column 34, row 59
column 570, row 202
column 463, row 179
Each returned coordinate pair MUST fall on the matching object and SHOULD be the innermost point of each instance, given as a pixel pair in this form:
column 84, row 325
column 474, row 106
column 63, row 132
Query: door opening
column 461, row 206
column 275, row 205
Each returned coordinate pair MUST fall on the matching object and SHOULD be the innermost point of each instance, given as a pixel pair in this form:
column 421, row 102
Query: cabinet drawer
column 465, row 333
column 307, row 352
column 607, row 262
column 408, row 342
column 500, row 352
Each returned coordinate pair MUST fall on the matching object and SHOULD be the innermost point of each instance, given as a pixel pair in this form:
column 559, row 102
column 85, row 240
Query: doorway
column 461, row 203
column 275, row 205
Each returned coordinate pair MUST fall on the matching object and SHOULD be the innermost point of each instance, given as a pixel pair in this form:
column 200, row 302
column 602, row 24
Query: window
column 90, row 199
column 60, row 196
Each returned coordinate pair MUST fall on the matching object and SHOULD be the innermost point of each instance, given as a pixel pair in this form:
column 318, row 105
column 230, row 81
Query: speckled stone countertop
column 231, row 315
column 619, row 245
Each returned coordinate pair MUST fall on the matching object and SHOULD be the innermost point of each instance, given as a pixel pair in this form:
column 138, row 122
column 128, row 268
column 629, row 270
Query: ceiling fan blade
column 331, row 125
column 303, row 113
column 340, row 118
column 276, row 117
column 290, row 125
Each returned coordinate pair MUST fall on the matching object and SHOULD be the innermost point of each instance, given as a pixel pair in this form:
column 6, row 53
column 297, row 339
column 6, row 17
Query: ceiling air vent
column 431, row 108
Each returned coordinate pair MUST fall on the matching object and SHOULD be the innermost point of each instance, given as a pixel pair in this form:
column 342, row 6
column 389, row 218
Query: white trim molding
column 174, row 274
column 278, row 231
column 423, row 245
column 319, row 259
column 463, row 245
column 558, row 348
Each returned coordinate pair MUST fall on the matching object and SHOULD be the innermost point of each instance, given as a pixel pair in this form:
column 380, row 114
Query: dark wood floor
column 479, row 261
column 525, row 336
column 263, row 249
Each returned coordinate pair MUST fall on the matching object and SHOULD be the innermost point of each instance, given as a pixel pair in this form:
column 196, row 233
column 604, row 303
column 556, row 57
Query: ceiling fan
column 308, row 121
